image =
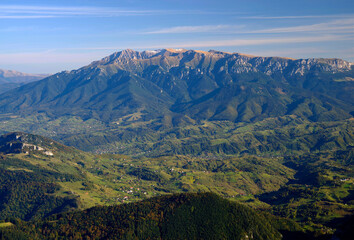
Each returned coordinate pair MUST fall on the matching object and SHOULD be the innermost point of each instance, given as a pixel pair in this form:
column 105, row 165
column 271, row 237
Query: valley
column 163, row 132
column 311, row 189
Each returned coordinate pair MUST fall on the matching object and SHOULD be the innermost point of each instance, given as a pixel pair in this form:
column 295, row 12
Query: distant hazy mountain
column 11, row 79
column 192, row 84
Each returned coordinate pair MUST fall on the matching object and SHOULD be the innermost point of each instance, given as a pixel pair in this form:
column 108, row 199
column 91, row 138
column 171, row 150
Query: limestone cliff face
column 221, row 61
column 23, row 143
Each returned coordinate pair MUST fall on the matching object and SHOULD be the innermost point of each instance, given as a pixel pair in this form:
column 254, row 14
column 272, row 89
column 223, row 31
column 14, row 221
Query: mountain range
column 10, row 79
column 192, row 85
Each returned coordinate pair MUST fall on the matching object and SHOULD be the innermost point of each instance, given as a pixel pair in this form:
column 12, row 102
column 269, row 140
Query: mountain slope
column 201, row 85
column 87, row 179
column 32, row 168
column 183, row 216
column 40, row 177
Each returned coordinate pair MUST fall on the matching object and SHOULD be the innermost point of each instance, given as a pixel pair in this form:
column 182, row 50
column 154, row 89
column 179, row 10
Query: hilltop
column 19, row 142
column 180, row 216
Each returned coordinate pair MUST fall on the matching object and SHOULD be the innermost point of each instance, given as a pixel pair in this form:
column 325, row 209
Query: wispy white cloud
column 76, row 57
column 335, row 26
column 50, row 56
column 346, row 25
column 264, row 41
column 215, row 43
column 24, row 11
column 26, row 16
column 298, row 17
column 16, row 29
column 290, row 52
column 224, row 43
column 69, row 11
column 193, row 29
column 308, row 52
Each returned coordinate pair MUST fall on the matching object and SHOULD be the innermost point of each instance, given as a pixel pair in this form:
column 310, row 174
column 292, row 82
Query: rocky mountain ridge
column 194, row 84
column 237, row 62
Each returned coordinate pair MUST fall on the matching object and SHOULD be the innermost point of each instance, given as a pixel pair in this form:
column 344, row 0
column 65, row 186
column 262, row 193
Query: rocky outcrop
column 22, row 143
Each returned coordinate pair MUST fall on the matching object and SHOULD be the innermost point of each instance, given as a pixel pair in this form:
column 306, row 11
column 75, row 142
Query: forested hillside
column 184, row 216
column 40, row 177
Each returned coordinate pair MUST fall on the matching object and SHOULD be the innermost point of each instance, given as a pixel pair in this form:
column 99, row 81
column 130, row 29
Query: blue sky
column 50, row 36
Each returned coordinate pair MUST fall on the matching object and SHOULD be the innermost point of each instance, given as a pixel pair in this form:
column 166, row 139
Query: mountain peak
column 128, row 53
column 176, row 50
